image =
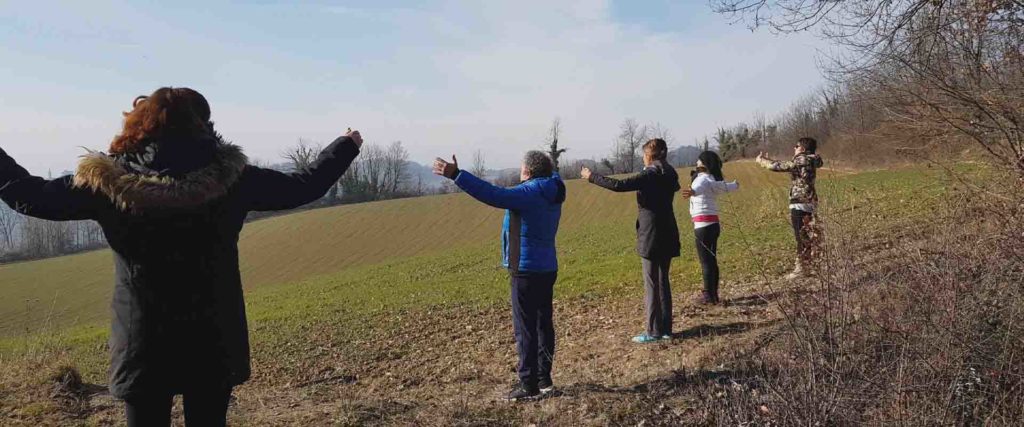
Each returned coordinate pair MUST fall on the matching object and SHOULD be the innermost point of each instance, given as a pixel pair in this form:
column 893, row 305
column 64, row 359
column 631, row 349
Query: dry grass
column 920, row 327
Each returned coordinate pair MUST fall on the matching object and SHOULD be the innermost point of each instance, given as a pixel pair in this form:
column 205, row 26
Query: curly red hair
column 168, row 113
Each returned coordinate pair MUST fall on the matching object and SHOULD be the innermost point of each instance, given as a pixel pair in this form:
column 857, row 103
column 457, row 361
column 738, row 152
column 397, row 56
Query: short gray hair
column 538, row 164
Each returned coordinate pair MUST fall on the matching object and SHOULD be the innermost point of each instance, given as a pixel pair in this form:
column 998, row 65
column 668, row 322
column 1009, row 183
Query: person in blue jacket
column 532, row 211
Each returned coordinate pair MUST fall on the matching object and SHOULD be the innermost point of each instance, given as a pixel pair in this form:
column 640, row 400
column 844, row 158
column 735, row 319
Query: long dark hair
column 712, row 163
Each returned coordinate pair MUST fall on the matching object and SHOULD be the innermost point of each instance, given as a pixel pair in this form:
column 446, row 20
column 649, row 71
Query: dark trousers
column 202, row 409
column 707, row 251
column 533, row 322
column 657, row 296
column 801, row 230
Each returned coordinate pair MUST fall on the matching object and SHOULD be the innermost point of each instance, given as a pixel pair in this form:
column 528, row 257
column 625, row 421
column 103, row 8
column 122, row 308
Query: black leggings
column 202, row 409
column 707, row 251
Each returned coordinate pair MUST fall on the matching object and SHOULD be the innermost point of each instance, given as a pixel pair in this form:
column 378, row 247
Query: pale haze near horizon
column 442, row 77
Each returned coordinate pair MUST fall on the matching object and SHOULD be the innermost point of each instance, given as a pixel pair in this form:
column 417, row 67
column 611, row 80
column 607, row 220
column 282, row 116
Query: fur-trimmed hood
column 137, row 192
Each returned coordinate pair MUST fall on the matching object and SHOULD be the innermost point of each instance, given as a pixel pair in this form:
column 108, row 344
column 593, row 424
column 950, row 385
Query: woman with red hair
column 171, row 197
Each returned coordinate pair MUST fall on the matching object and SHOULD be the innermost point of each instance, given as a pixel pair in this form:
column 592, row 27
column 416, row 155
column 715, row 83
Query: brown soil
column 453, row 366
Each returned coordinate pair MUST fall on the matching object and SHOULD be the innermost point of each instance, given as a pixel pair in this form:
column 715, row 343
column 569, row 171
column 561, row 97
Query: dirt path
column 453, row 366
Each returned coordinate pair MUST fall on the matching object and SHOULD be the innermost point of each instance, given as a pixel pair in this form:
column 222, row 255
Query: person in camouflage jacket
column 803, row 198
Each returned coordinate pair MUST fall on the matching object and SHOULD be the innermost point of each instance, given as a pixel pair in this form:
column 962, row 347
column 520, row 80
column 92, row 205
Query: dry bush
column 922, row 326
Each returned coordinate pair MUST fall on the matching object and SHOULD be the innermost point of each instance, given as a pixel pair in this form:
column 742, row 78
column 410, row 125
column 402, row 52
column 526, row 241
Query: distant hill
column 417, row 172
column 685, row 155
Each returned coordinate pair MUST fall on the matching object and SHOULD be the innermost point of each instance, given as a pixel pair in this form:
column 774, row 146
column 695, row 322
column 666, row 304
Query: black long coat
column 172, row 216
column 657, row 234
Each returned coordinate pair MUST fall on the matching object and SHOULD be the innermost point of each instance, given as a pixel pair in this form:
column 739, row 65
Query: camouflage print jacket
column 803, row 170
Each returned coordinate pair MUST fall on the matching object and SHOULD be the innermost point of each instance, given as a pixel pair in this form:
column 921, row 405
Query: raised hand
column 356, row 137
column 446, row 169
column 585, row 173
column 687, row 192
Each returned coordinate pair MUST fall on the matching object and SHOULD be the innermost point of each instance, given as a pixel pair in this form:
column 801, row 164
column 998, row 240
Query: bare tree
column 379, row 173
column 302, row 154
column 723, row 138
column 9, row 221
column 657, row 130
column 373, row 165
column 395, row 165
column 631, row 136
column 553, row 133
column 352, row 185
column 942, row 69
column 760, row 124
column 570, row 169
column 479, row 164
column 609, row 165
column 420, row 189
column 41, row 238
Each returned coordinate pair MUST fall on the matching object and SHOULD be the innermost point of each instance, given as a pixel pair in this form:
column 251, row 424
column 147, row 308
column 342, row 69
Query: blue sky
column 441, row 77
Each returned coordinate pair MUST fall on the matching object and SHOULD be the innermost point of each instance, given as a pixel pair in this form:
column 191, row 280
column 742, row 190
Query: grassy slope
column 436, row 250
column 381, row 269
column 75, row 290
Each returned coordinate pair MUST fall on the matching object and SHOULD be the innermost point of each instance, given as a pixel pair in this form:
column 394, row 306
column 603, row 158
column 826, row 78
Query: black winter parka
column 172, row 215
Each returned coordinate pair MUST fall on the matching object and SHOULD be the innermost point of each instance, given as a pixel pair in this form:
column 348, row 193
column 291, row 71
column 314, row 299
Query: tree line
column 918, row 77
column 380, row 172
column 25, row 238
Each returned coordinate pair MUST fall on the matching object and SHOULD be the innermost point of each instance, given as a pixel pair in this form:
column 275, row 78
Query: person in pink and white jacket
column 707, row 184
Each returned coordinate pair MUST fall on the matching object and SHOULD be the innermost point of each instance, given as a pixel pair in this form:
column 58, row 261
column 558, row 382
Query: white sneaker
column 798, row 272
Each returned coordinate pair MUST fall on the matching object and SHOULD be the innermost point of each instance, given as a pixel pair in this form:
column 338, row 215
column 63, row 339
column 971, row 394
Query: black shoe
column 523, row 393
column 546, row 386
column 705, row 298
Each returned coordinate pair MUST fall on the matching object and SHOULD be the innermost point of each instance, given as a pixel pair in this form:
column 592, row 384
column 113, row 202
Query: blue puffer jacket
column 532, row 211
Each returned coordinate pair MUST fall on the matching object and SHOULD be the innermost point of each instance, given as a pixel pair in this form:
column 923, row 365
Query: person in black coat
column 657, row 234
column 171, row 198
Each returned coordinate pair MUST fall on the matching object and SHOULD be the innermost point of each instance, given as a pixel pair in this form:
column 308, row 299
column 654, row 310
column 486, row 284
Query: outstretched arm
column 774, row 165
column 267, row 190
column 515, row 198
column 632, row 183
column 55, row 200
column 704, row 185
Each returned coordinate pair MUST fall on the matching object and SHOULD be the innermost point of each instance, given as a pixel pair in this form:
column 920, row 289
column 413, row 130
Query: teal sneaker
column 644, row 339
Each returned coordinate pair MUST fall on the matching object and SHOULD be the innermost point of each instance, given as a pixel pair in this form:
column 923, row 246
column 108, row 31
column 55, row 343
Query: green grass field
column 444, row 249
column 323, row 285
column 343, row 244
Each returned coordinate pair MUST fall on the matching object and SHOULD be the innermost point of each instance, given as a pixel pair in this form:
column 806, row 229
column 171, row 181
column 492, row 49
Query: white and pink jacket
column 703, row 206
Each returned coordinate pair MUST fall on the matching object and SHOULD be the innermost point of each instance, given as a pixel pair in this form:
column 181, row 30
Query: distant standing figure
column 657, row 234
column 532, row 212
column 803, row 197
column 708, row 182
column 171, row 197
